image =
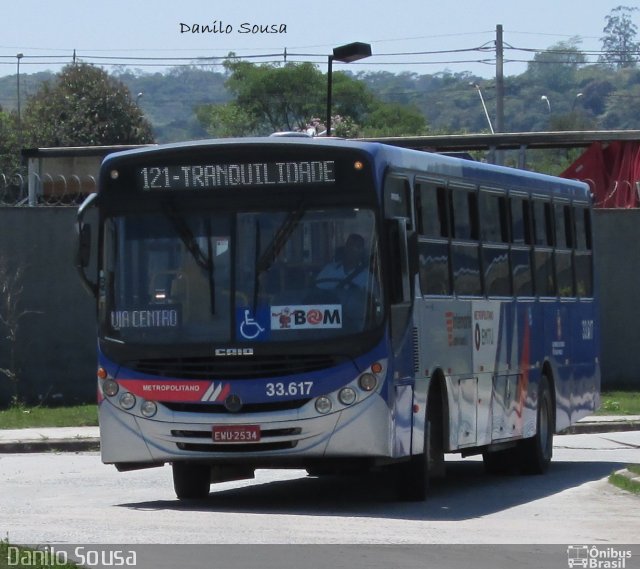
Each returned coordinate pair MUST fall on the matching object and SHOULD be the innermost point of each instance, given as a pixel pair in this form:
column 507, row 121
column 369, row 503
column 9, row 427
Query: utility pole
column 499, row 80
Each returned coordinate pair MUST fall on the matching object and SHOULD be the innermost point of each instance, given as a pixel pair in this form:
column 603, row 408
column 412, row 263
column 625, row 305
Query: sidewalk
column 80, row 439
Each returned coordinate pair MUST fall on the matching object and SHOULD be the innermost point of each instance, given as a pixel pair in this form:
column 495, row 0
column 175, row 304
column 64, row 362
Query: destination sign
column 211, row 176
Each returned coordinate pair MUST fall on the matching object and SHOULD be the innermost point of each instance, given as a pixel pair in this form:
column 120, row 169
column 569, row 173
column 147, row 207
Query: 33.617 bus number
column 292, row 389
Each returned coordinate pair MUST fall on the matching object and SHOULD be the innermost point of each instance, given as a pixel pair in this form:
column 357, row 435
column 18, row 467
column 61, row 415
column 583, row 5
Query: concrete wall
column 617, row 270
column 56, row 354
column 56, row 345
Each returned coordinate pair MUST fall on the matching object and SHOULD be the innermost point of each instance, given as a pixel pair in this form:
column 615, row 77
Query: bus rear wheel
column 191, row 481
column 536, row 452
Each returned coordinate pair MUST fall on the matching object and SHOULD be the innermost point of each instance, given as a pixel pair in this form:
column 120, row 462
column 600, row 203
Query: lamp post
column 575, row 100
column 484, row 106
column 546, row 100
column 19, row 56
column 347, row 54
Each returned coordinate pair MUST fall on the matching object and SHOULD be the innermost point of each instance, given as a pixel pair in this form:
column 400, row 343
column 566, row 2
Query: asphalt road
column 74, row 499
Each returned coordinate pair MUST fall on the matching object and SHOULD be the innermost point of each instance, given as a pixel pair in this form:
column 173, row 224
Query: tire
column 537, row 452
column 412, row 478
column 191, row 481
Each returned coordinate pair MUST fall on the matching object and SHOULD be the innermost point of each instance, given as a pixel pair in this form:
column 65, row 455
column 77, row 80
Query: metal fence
column 32, row 189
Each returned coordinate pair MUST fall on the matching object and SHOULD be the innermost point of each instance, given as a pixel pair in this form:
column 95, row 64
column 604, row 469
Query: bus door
column 401, row 246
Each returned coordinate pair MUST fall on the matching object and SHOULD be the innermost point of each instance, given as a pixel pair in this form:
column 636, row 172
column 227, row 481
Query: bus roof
column 432, row 164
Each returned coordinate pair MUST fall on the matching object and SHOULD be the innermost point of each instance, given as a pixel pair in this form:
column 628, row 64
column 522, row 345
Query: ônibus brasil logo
column 594, row 557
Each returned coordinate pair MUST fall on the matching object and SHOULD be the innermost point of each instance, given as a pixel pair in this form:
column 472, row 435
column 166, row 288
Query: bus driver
column 350, row 270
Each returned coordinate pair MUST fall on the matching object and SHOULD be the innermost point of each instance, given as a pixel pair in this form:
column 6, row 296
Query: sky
column 421, row 36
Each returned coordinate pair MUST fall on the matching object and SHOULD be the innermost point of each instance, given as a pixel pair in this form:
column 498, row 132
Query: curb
column 50, row 445
column 601, row 427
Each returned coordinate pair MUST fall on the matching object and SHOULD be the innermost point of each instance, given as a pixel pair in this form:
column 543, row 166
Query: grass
column 21, row 417
column 620, row 403
column 626, row 483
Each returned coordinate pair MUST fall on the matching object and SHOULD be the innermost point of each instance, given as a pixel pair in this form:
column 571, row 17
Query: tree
column 619, row 43
column 554, row 68
column 84, row 106
column 9, row 158
column 388, row 119
column 270, row 98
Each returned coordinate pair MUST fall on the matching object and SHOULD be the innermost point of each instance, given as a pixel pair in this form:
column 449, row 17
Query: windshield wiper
column 277, row 243
column 204, row 261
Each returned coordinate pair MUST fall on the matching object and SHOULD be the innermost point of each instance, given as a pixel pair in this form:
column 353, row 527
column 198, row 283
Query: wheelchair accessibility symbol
column 250, row 329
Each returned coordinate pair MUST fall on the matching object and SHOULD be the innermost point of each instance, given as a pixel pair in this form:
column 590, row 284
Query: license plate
column 236, row 433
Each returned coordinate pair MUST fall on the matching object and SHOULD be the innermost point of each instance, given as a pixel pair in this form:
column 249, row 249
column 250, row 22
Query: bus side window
column 545, row 283
column 465, row 254
column 433, row 247
column 564, row 244
column 521, row 246
column 464, row 214
column 494, row 231
column 432, row 210
column 397, row 199
column 582, row 253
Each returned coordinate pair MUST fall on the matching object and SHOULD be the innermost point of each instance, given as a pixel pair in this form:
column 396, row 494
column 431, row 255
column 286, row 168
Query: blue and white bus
column 335, row 305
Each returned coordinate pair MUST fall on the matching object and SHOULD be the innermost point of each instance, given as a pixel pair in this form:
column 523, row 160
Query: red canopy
column 613, row 172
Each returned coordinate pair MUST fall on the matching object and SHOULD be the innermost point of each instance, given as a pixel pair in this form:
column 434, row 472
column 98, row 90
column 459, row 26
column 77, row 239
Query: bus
column 335, row 306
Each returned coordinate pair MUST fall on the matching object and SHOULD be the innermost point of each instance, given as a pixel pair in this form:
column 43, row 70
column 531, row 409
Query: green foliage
column 271, row 98
column 619, row 43
column 389, row 119
column 620, row 403
column 555, row 67
column 629, row 483
column 83, row 106
column 9, row 161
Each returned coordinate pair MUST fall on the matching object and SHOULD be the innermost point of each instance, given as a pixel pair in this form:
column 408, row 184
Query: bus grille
column 233, row 368
column 246, row 408
column 249, row 447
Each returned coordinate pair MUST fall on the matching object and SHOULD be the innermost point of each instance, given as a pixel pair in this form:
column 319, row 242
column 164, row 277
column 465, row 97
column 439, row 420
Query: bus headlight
column 347, row 396
column 148, row 409
column 127, row 400
column 367, row 382
column 110, row 387
column 323, row 405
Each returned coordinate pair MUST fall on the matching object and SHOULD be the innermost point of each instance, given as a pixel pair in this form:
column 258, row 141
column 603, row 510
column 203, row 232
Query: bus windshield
column 276, row 276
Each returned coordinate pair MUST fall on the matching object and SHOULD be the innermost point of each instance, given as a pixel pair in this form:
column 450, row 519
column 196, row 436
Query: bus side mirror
column 83, row 251
column 84, row 247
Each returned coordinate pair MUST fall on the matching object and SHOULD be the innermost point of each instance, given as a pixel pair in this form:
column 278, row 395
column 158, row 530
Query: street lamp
column 486, row 113
column 19, row 56
column 546, row 100
column 347, row 54
column 575, row 100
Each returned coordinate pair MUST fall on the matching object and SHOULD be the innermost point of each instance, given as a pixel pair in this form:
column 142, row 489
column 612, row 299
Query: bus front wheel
column 191, row 481
column 412, row 477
